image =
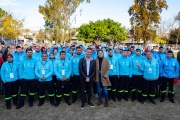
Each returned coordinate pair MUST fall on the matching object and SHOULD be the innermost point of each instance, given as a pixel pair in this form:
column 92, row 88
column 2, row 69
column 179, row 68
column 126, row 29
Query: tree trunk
column 177, row 39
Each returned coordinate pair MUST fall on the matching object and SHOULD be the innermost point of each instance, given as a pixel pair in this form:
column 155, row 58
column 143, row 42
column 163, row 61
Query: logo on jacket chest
column 125, row 63
column 29, row 65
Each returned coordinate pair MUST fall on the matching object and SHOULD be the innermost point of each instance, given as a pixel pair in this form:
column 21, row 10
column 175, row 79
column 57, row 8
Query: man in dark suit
column 87, row 69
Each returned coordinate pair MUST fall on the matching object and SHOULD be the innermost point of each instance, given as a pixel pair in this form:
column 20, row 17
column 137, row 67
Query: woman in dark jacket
column 6, row 52
column 1, row 83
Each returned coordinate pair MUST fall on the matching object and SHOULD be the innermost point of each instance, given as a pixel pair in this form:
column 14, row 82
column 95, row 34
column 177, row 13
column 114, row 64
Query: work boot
column 152, row 101
column 67, row 100
column 120, row 96
column 74, row 97
column 99, row 102
column 114, row 96
column 133, row 97
column 106, row 103
column 162, row 97
column 171, row 100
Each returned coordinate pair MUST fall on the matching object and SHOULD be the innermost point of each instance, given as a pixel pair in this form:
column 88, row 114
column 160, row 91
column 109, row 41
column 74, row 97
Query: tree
column 159, row 41
column 145, row 15
column 40, row 36
column 138, row 33
column 2, row 13
column 58, row 13
column 174, row 35
column 84, row 33
column 164, row 29
column 177, row 18
column 105, row 30
column 10, row 26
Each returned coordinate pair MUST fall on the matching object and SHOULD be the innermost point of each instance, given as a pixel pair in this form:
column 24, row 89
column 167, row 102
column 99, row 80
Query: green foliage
column 40, row 35
column 105, row 30
column 2, row 13
column 145, row 16
column 57, row 14
column 159, row 41
column 10, row 27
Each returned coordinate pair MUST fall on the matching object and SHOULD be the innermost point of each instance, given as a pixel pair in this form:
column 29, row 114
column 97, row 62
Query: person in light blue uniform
column 18, row 56
column 160, row 56
column 124, row 74
column 94, row 53
column 132, row 51
column 56, row 54
column 169, row 69
column 44, row 71
column 72, row 50
column 116, row 54
column 27, row 76
column 113, row 62
column 9, row 76
column 37, row 54
column 104, row 51
column 48, row 51
column 75, row 81
column 150, row 68
column 52, row 59
column 55, row 47
column 68, row 55
column 82, row 49
column 137, row 76
column 63, row 70
column 120, row 50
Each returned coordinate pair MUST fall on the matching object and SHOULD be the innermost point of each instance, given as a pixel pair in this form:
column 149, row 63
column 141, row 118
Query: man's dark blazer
column 83, row 70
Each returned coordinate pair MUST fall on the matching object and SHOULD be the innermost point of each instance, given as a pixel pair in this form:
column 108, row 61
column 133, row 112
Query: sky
column 97, row 9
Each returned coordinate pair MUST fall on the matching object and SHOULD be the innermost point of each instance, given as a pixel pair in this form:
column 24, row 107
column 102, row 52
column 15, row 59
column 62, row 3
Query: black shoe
column 172, row 100
column 16, row 104
column 19, row 106
column 8, row 107
column 73, row 101
column 90, row 104
column 152, row 101
column 162, row 100
column 114, row 99
column 40, row 104
column 119, row 99
column 68, row 102
column 126, row 99
column 133, row 99
column 82, row 106
column 30, row 104
column 143, row 101
column 52, row 103
column 56, row 104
